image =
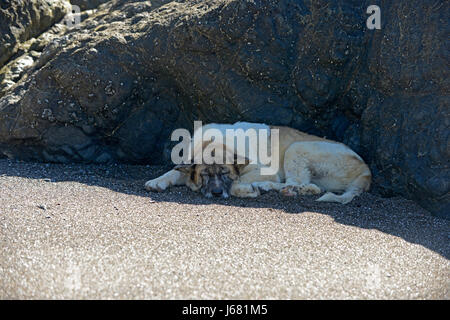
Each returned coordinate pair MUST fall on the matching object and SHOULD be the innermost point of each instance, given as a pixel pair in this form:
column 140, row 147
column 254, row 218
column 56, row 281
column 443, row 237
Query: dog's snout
column 217, row 192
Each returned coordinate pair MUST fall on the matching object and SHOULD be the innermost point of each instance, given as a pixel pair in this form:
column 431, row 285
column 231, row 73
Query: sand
column 93, row 232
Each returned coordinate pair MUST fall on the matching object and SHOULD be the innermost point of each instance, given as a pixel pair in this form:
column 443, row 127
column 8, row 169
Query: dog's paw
column 289, row 191
column 157, row 185
column 245, row 191
column 308, row 189
column 253, row 194
column 262, row 186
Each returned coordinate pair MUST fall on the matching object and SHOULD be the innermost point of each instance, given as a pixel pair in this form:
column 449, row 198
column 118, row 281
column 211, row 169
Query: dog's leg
column 360, row 184
column 170, row 178
column 258, row 181
column 298, row 175
column 268, row 185
column 244, row 190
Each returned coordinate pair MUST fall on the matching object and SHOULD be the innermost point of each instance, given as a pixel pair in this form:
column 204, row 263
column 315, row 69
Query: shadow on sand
column 395, row 216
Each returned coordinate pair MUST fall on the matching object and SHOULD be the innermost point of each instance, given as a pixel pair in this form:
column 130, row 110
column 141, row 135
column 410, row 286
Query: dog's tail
column 358, row 186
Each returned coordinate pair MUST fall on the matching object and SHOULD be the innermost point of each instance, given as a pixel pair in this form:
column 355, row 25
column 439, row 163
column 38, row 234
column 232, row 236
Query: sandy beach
column 93, row 232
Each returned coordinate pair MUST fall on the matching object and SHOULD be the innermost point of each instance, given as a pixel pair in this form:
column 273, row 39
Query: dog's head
column 212, row 180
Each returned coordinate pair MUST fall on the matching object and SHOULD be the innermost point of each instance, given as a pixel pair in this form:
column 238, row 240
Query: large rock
column 405, row 125
column 115, row 88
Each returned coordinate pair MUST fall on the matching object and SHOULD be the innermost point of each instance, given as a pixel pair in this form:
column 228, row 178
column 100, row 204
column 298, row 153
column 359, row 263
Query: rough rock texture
column 115, row 87
column 17, row 67
column 26, row 27
column 22, row 20
column 405, row 125
column 87, row 4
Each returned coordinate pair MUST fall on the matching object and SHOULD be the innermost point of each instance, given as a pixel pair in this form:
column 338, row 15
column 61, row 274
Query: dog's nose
column 216, row 192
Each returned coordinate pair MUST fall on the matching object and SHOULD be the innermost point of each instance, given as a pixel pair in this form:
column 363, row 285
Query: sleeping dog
column 307, row 165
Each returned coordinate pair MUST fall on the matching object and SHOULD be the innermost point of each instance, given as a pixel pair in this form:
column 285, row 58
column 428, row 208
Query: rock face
column 21, row 23
column 87, row 4
column 116, row 86
column 23, row 20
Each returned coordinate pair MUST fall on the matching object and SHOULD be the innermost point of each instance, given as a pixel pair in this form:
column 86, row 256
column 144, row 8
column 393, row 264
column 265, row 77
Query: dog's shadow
column 395, row 216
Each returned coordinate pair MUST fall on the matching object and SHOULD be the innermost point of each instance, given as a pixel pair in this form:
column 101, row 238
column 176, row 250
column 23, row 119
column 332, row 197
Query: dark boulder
column 405, row 125
column 114, row 88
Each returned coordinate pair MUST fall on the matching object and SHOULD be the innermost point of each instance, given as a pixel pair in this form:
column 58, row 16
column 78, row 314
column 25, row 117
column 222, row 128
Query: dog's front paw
column 262, row 185
column 303, row 189
column 289, row 191
column 254, row 193
column 157, row 185
column 308, row 189
column 244, row 191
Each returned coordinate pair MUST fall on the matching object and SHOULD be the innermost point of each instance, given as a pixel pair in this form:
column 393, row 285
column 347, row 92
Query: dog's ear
column 185, row 168
column 240, row 163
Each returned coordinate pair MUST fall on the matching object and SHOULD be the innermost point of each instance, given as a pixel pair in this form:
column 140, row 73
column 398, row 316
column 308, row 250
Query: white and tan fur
column 308, row 165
